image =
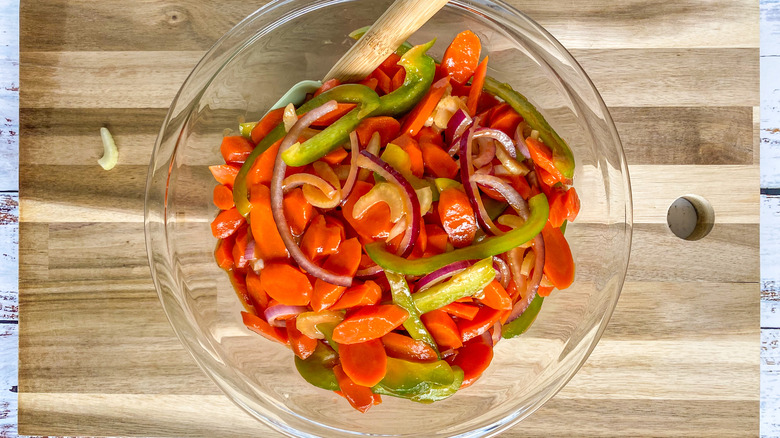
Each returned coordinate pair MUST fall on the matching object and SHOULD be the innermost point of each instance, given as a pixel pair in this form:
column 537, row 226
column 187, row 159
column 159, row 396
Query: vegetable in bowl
column 392, row 231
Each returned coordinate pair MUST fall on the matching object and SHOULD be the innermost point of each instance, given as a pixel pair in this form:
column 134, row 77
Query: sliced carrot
column 224, row 253
column 473, row 358
column 442, row 328
column 457, row 217
column 223, row 197
column 505, row 119
column 344, row 262
column 542, row 157
column 369, row 322
column 365, row 362
column 485, row 319
column 242, row 237
column 397, row 79
column 375, row 223
column 256, row 291
column 564, row 205
column 286, row 284
column 336, row 156
column 461, row 310
column 321, row 239
column 226, row 223
column 403, row 347
column 496, row 296
column 421, row 244
column 236, row 148
column 462, row 56
column 420, row 113
column 329, row 118
column 558, row 261
column 387, row 127
column 268, row 243
column 327, row 85
column 410, row 146
column 476, row 87
column 359, row 397
column 266, row 124
column 238, row 280
column 437, row 161
column 302, row 345
column 365, row 294
column 370, row 82
column 520, row 184
column 259, row 326
column 486, row 100
column 544, row 291
column 437, row 238
column 384, row 81
column 297, row 210
column 263, row 167
column 390, row 65
column 224, row 173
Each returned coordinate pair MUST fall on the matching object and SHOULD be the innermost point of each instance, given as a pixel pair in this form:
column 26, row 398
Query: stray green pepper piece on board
column 489, row 247
column 524, row 321
column 317, row 369
column 421, row 382
column 347, row 93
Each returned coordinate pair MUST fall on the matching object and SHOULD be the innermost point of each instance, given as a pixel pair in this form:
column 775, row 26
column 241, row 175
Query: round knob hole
column 690, row 217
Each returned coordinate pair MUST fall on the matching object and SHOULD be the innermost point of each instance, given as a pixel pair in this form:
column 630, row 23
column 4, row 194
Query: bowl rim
column 274, row 421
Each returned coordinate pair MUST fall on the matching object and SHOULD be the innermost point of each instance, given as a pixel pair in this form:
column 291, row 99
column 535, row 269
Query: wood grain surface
column 98, row 357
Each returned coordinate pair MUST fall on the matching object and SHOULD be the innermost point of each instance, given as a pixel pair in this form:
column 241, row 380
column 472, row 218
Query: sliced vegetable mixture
column 391, row 232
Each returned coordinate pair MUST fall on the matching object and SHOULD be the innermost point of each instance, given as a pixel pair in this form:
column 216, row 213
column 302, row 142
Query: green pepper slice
column 347, row 93
column 402, row 297
column 420, row 69
column 524, row 321
column 317, row 369
column 421, row 382
column 466, row 283
column 563, row 159
column 489, row 247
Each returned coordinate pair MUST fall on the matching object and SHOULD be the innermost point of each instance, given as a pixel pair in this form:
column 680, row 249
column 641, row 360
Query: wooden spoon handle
column 399, row 21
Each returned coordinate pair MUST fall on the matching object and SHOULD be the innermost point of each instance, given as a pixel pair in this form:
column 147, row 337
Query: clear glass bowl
column 245, row 72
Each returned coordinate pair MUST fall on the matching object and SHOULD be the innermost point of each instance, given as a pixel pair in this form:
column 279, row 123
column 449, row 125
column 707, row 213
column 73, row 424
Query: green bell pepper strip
column 487, row 248
column 347, row 93
column 421, row 382
column 358, row 33
column 563, row 159
column 420, row 69
column 317, row 369
column 466, row 283
column 402, row 297
column 245, row 129
column 524, row 321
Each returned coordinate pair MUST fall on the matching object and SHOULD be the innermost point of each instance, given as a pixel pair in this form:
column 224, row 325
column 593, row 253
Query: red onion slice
column 533, row 284
column 507, row 191
column 487, row 151
column 496, row 336
column 369, row 272
column 470, row 186
column 442, row 274
column 276, row 315
column 349, row 183
column 375, row 164
column 458, row 124
column 277, row 198
column 520, row 141
column 502, row 271
column 500, row 137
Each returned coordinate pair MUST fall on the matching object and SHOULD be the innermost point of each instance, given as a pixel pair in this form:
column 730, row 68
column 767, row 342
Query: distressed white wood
column 770, row 218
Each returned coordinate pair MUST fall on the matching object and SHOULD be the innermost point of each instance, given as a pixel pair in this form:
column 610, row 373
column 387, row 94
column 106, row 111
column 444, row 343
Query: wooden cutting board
column 97, row 356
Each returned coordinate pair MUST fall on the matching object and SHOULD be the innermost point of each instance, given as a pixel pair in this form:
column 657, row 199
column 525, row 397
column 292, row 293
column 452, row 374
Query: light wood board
column 97, row 357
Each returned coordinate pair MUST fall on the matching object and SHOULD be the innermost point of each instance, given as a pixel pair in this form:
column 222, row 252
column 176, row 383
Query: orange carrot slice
column 259, row 326
column 473, row 358
column 268, row 243
column 302, row 345
column 404, row 347
column 420, row 113
column 461, row 310
column 224, row 173
column 457, row 217
column 558, row 261
column 266, row 124
column 476, row 87
column 226, row 223
column 286, row 284
column 297, row 210
column 443, row 329
column 495, row 296
column 235, row 148
column 366, row 294
column 344, row 262
column 386, row 126
column 223, row 197
column 359, row 397
column 462, row 56
column 369, row 322
column 365, row 362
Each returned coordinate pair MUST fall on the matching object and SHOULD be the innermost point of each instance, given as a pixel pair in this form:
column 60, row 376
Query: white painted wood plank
column 770, row 261
column 770, row 382
column 9, row 95
column 770, row 93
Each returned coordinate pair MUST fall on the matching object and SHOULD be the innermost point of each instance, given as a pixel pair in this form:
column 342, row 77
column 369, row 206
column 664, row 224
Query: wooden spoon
column 399, row 21
column 395, row 26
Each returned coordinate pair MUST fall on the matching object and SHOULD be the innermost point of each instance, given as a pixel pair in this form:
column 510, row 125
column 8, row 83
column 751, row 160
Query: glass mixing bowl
column 245, row 72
